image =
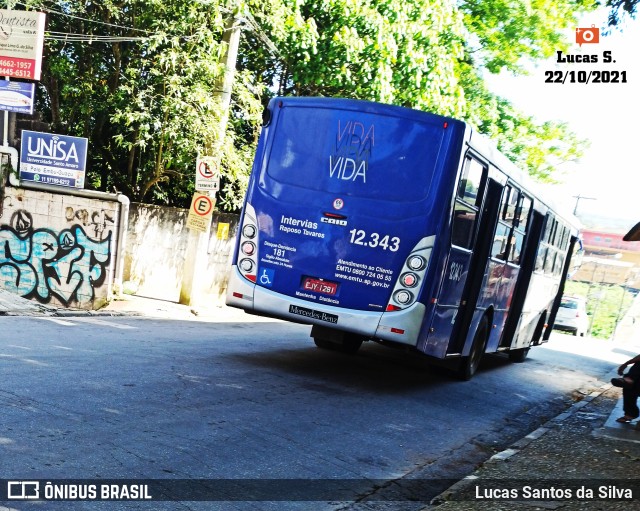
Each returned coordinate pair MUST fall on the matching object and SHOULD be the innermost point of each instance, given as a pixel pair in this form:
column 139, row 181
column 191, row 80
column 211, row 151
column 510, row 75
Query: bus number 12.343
column 374, row 240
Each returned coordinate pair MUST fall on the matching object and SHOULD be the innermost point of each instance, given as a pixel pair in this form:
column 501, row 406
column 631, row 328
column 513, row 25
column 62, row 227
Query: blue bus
column 373, row 222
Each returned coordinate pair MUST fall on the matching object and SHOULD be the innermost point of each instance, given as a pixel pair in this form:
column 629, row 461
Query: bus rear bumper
column 399, row 326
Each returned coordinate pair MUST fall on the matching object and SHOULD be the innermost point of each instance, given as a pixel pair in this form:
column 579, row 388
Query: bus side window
column 520, row 224
column 525, row 210
column 464, row 221
column 542, row 253
column 468, row 199
column 548, row 229
column 510, row 205
column 500, row 241
column 516, row 247
column 470, row 182
column 559, row 264
column 549, row 261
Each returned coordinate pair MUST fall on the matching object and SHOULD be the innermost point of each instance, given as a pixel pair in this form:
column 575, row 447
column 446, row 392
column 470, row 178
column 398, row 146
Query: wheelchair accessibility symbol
column 266, row 277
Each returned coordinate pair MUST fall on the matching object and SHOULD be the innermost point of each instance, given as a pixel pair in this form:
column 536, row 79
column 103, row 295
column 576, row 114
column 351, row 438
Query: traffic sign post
column 199, row 223
column 207, row 175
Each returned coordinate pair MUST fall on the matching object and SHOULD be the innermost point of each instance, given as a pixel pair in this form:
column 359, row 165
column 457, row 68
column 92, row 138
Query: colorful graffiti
column 41, row 264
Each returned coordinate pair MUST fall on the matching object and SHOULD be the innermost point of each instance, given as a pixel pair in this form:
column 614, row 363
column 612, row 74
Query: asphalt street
column 140, row 398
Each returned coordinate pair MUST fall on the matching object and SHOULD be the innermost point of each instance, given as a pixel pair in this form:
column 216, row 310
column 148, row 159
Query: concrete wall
column 57, row 248
column 155, row 250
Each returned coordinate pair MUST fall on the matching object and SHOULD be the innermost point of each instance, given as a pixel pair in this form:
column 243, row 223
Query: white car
column 572, row 316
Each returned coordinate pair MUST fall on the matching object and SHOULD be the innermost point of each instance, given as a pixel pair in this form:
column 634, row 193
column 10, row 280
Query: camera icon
column 587, row 35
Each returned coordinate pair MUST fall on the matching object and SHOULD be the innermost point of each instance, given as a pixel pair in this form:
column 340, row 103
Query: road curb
column 80, row 313
column 519, row 445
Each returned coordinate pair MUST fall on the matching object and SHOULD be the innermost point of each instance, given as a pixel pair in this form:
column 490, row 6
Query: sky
column 607, row 114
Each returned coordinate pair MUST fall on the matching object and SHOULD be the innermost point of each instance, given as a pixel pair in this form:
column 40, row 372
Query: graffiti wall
column 58, row 249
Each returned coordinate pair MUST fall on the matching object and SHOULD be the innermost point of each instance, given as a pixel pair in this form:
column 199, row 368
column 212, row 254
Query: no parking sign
column 207, row 175
column 200, row 212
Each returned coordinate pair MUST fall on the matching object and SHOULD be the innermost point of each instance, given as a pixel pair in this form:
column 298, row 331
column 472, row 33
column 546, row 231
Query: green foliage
column 536, row 147
column 606, row 305
column 508, row 30
column 619, row 10
column 150, row 102
column 386, row 50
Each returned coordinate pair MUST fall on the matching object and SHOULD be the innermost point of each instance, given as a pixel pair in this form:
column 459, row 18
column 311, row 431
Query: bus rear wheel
column 469, row 365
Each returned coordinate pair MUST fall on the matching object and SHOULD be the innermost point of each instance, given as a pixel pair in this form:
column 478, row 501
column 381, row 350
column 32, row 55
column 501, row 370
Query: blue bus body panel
column 343, row 191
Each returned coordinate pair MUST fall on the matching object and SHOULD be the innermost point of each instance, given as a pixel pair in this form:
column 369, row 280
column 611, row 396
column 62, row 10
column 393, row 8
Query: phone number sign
column 21, row 42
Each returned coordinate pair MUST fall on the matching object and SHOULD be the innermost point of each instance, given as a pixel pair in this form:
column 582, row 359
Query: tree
column 620, row 9
column 141, row 83
column 401, row 52
column 507, row 31
column 140, row 78
column 429, row 55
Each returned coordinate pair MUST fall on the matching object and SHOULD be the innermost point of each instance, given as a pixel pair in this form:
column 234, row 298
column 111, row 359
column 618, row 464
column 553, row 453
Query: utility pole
column 577, row 198
column 196, row 256
column 5, row 128
column 231, row 40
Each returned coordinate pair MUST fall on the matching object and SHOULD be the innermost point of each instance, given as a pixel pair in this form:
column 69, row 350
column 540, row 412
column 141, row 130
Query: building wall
column 606, row 271
column 156, row 247
column 608, row 241
column 58, row 248
column 609, row 259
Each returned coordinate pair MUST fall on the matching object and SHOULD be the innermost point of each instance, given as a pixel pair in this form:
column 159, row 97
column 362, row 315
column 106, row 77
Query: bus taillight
column 248, row 256
column 247, row 265
column 407, row 288
column 416, row 263
column 403, row 297
column 409, row 280
column 249, row 231
column 248, row 248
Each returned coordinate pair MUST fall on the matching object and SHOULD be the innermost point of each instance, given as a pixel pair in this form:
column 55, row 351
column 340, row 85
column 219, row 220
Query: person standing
column 630, row 385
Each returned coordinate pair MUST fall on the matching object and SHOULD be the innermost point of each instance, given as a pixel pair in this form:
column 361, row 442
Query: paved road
column 134, row 398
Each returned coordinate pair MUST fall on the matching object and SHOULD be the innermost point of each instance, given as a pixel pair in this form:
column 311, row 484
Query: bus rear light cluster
column 246, row 265
column 407, row 288
column 248, row 256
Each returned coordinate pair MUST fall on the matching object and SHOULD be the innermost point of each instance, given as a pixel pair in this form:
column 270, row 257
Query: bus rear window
column 354, row 153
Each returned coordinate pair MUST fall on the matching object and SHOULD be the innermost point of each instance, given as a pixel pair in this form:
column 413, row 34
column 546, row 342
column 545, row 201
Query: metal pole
column 197, row 245
column 5, row 131
column 577, row 198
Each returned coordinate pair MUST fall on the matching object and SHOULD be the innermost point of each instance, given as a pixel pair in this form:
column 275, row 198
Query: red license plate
column 324, row 287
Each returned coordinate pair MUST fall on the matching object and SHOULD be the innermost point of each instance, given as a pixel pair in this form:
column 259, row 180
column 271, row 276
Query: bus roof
column 486, row 146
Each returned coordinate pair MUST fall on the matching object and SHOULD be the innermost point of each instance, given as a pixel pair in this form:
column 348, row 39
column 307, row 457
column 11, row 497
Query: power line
column 73, row 16
column 256, row 29
column 247, row 17
column 63, row 36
